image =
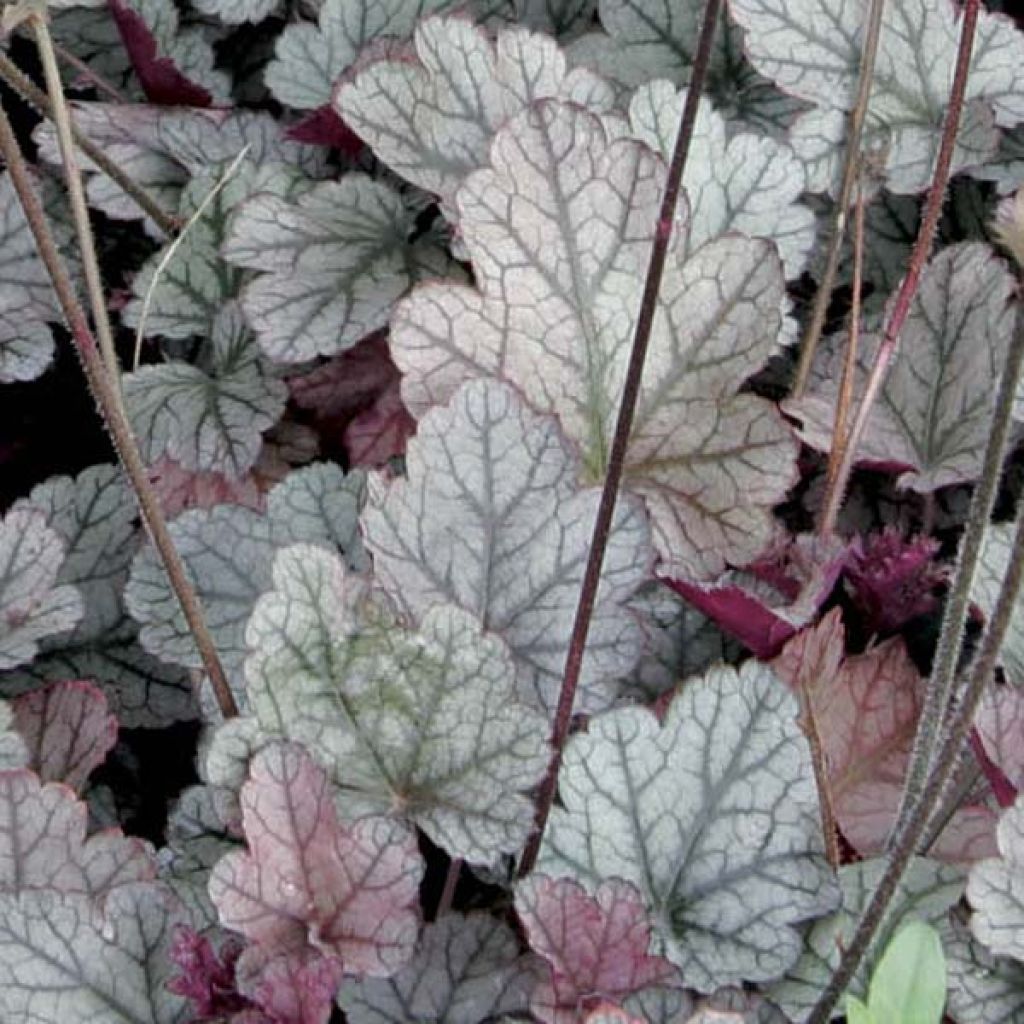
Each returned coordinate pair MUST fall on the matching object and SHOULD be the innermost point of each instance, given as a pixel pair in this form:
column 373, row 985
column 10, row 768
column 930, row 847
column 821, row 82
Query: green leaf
column 909, row 983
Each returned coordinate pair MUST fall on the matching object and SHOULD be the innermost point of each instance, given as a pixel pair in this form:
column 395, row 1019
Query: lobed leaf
column 421, row 724
column 712, row 815
column 995, row 889
column 489, row 517
column 558, row 230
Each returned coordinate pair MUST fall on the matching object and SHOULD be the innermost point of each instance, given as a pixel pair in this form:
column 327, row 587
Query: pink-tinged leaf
column 309, row 882
column 347, row 383
column 68, row 730
column 609, row 1013
column 179, row 488
column 380, row 432
column 43, row 844
column 596, row 945
column 323, row 127
column 297, row 987
column 206, row 977
column 866, row 709
column 162, row 82
column 893, row 579
column 1000, row 727
column 765, row 604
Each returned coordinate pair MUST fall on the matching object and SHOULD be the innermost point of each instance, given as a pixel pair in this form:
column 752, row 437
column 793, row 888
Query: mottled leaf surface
column 926, row 893
column 812, row 50
column 995, row 558
column 420, row 723
column 489, row 517
column 33, row 605
column 307, row 881
column 932, row 415
column 558, row 230
column 332, row 263
column 431, row 117
column 208, row 416
column 712, row 815
column 467, row 968
column 68, row 730
column 995, row 889
column 593, row 945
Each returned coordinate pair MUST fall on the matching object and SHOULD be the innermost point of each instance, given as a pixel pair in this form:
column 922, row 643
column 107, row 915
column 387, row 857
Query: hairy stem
column 28, row 90
column 945, row 764
column 620, row 439
column 922, row 245
column 851, row 162
column 947, row 652
column 113, row 413
column 79, row 209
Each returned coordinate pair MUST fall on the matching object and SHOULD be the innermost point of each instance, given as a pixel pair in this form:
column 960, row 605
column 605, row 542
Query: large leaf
column 996, row 889
column 32, row 603
column 595, row 946
column 207, row 417
column 743, row 182
column 431, row 119
column 712, row 816
column 62, row 959
column 332, row 264
column 559, row 230
column 932, row 415
column 995, row 558
column 926, row 893
column 502, row 481
column 424, row 724
column 466, row 969
column 812, row 49
column 310, row 882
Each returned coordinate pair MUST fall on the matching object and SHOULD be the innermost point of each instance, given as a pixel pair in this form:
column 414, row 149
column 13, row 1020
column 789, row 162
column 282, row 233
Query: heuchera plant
column 558, row 452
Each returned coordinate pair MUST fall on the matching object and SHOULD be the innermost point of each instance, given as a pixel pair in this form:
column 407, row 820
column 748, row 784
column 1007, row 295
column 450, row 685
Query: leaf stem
column 113, row 413
column 28, row 90
column 945, row 764
column 451, row 883
column 922, row 245
column 620, row 439
column 851, row 163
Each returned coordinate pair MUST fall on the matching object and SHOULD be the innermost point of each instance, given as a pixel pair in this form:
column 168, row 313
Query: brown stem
column 829, row 828
column 451, row 882
column 113, row 413
column 90, row 74
column 851, row 160
column 620, row 439
column 28, row 90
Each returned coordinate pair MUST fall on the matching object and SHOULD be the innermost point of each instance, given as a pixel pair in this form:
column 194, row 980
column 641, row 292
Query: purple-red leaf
column 67, row 729
column 207, row 977
column 380, row 432
column 323, row 127
column 596, row 946
column 349, row 891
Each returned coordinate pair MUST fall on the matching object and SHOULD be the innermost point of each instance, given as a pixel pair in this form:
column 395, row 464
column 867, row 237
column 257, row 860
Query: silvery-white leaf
column 995, row 889
column 489, row 517
column 13, row 752
column 331, row 264
column 466, row 969
column 422, row 724
column 983, row 989
column 745, row 183
column 432, row 119
column 237, row 12
column 559, row 229
column 995, row 559
column 227, row 750
column 712, row 815
column 927, row 891
column 207, row 417
column 932, row 414
column 91, row 34
column 1006, row 168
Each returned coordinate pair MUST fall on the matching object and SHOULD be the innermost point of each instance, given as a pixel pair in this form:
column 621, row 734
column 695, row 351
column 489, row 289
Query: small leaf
column 32, row 604
column 332, row 264
column 423, row 724
column 908, row 985
column 712, row 816
column 489, row 516
column 207, row 977
column 68, row 730
column 558, row 291
column 237, row 12
column 208, row 419
column 932, row 414
column 595, row 946
column 983, row 989
column 309, row 882
column 466, row 969
column 995, row 558
column 995, row 889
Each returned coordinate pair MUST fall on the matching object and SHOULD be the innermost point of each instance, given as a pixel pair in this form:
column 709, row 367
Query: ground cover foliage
column 385, row 321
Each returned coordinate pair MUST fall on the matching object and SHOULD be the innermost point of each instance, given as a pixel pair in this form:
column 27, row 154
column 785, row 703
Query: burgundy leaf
column 205, row 977
column 297, row 987
column 323, row 127
column 67, row 729
column 349, row 891
column 596, row 946
column 349, row 382
column 380, row 432
column 179, row 488
column 999, row 726
column 161, row 80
